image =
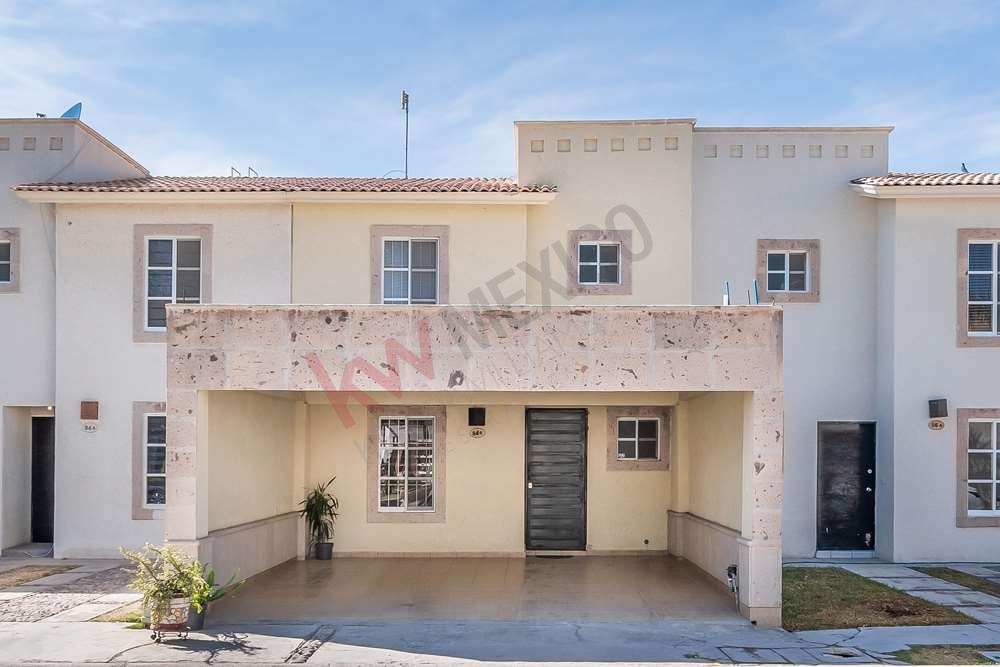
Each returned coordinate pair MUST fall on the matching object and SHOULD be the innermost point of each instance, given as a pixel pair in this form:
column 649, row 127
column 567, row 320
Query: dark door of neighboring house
column 556, row 479
column 43, row 472
column 845, row 503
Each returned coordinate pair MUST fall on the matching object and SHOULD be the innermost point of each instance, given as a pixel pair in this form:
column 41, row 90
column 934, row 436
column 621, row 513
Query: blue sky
column 299, row 88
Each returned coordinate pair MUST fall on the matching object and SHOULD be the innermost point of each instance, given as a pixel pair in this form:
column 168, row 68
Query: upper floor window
column 983, row 277
column 984, row 476
column 173, row 275
column 406, row 464
column 5, row 261
column 787, row 271
column 154, row 464
column 638, row 439
column 409, row 270
column 599, row 263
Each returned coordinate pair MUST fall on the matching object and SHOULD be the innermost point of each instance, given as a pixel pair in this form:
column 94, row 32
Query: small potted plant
column 206, row 592
column 320, row 511
column 166, row 578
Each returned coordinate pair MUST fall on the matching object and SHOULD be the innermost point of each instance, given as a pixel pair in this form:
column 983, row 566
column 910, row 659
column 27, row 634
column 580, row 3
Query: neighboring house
column 506, row 367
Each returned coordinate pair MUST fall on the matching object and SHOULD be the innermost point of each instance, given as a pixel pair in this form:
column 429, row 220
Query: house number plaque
column 477, row 432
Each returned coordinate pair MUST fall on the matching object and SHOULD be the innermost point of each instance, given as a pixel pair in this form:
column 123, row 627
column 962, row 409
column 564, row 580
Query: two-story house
column 507, row 367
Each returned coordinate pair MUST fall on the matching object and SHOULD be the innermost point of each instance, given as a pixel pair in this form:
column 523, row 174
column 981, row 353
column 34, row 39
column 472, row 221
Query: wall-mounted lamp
column 477, row 416
column 937, row 408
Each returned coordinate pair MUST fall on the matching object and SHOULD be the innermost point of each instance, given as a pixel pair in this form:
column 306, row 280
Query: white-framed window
column 406, row 464
column 5, row 268
column 984, row 282
column 409, row 270
column 154, row 460
column 984, row 474
column 173, row 275
column 599, row 263
column 787, row 271
column 638, row 439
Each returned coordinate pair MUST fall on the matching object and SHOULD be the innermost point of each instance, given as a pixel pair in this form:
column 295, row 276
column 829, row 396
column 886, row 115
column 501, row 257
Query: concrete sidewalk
column 437, row 642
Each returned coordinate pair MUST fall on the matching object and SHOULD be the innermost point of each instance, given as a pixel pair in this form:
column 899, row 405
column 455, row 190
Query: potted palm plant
column 320, row 512
column 206, row 592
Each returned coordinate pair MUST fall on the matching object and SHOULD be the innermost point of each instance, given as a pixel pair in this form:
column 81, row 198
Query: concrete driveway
column 618, row 588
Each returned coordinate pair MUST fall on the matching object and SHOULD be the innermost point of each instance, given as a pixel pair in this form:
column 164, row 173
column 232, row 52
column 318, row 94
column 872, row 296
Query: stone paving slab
column 762, row 656
column 840, row 656
column 798, row 656
column 85, row 612
column 882, row 570
column 919, row 584
column 976, row 570
column 890, row 640
column 962, row 598
column 57, row 579
column 984, row 614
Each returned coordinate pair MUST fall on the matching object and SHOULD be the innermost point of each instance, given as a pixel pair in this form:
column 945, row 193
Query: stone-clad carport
column 346, row 351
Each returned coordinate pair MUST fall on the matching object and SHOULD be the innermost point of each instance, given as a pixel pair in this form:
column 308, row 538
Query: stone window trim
column 623, row 237
column 12, row 235
column 809, row 246
column 964, row 237
column 140, row 233
column 440, row 414
column 962, row 518
column 664, row 413
column 380, row 232
column 139, row 410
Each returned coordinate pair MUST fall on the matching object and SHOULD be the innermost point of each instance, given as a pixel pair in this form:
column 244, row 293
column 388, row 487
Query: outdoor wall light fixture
column 937, row 409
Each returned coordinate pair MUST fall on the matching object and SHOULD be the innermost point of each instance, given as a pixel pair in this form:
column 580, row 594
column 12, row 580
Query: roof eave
column 925, row 191
column 476, row 198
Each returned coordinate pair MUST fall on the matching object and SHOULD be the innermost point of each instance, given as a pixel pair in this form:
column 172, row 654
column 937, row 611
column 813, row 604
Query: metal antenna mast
column 405, row 101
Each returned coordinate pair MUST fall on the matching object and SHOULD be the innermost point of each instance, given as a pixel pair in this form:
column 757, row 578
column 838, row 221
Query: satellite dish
column 74, row 111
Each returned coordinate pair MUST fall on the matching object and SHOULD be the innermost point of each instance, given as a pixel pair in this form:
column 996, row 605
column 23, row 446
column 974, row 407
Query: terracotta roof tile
column 280, row 184
column 931, row 178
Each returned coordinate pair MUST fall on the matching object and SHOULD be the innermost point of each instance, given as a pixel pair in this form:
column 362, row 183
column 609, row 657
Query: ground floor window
column 638, row 439
column 155, row 460
column 984, row 473
column 406, row 464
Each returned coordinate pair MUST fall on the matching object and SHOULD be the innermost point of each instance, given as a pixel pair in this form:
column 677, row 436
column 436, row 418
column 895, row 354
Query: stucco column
column 187, row 473
column 760, row 541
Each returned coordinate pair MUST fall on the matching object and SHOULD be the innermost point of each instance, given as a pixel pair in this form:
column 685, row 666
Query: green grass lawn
column 825, row 598
column 946, row 655
column 962, row 579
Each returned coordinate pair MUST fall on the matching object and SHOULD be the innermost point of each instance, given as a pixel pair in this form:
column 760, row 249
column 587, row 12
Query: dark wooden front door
column 43, row 452
column 845, row 503
column 556, row 479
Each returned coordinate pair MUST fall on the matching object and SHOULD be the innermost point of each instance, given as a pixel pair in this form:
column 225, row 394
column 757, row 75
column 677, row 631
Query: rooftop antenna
column 233, row 171
column 251, row 171
column 404, row 100
column 74, row 111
